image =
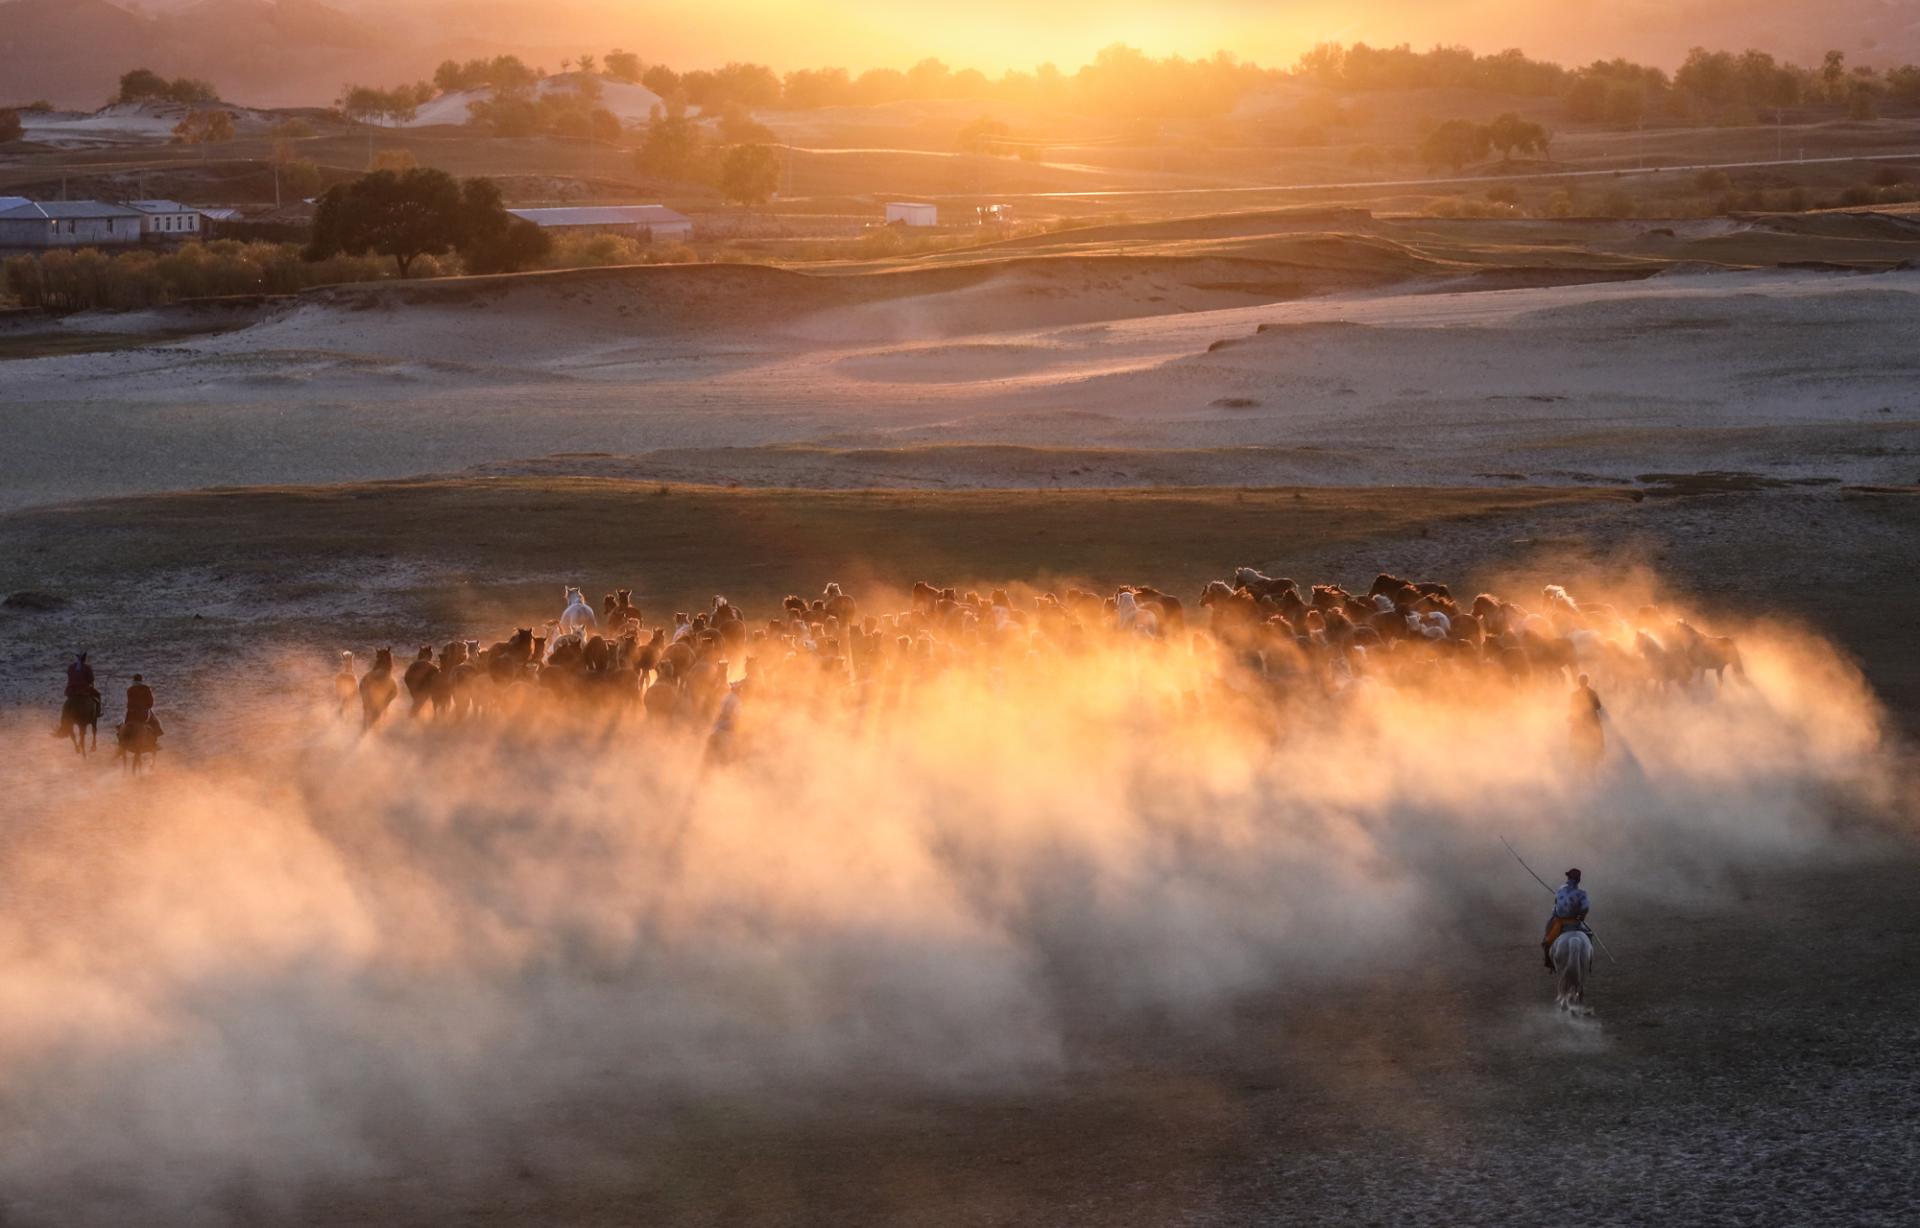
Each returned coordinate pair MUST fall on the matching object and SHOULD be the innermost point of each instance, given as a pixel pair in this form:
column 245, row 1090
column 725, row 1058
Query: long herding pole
column 1543, row 882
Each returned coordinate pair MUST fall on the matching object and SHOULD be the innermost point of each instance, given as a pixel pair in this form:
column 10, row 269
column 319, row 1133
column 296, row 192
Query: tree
column 623, row 65
column 982, row 136
column 204, row 128
column 1833, row 73
column 1455, row 143
column 493, row 240
column 749, row 174
column 670, row 148
column 140, row 84
column 739, row 127
column 661, row 80
column 1509, row 132
column 10, row 126
column 402, row 214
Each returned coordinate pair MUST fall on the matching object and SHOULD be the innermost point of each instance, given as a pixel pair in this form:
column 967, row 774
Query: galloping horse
column 377, row 689
column 1572, row 956
column 138, row 739
column 78, row 715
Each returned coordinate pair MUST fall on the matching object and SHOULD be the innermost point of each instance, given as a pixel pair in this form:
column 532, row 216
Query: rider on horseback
column 140, row 707
column 81, row 698
column 1569, row 914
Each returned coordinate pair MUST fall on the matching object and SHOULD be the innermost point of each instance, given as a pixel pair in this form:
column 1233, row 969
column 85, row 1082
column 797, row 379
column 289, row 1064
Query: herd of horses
column 1277, row 634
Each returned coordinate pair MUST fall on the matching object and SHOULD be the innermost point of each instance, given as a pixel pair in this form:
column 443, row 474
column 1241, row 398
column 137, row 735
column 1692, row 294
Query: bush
column 1712, row 181
column 1560, row 204
column 1616, row 204
column 1888, row 176
column 1504, row 195
column 88, row 279
column 10, row 126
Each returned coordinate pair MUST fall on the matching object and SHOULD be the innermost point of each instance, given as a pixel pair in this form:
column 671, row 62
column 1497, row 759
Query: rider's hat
column 1574, row 875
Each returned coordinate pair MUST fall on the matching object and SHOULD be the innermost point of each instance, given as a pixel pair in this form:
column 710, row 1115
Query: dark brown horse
column 377, row 689
column 139, row 739
column 79, row 716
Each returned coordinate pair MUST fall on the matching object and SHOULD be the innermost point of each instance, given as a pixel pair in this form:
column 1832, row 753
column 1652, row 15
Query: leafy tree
column 140, row 84
column 1509, row 132
column 366, row 104
column 811, row 88
column 493, row 240
column 512, row 115
column 402, row 214
column 10, row 126
column 623, row 65
column 204, row 128
column 292, row 129
column 1455, row 143
column 739, row 127
column 749, row 174
column 670, row 148
column 661, row 80
column 982, row 135
column 1833, row 74
column 191, row 90
column 300, row 177
column 587, row 62
column 422, row 212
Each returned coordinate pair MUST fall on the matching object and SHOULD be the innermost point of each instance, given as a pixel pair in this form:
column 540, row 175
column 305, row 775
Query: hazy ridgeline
column 413, row 951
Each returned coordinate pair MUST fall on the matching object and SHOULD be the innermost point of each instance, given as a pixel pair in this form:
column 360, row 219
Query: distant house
column 66, row 223
column 633, row 221
column 166, row 219
column 908, row 213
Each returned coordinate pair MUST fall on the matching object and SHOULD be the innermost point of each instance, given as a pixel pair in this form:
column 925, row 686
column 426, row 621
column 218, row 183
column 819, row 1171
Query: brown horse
column 137, row 740
column 79, row 715
column 377, row 689
column 420, row 676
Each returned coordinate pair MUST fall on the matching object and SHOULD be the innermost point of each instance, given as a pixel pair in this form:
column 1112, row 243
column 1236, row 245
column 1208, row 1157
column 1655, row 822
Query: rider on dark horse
column 139, row 711
column 82, row 696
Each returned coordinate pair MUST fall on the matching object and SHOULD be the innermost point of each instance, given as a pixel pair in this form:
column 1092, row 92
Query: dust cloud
column 418, row 949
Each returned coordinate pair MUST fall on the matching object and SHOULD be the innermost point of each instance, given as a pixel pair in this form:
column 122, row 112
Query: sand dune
column 1245, row 370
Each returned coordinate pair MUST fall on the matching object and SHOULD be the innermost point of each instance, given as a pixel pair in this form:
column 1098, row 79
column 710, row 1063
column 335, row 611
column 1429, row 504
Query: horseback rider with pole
column 1569, row 909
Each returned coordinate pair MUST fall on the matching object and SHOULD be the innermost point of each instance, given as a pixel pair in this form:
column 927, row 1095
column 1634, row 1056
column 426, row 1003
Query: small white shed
column 908, row 213
column 166, row 219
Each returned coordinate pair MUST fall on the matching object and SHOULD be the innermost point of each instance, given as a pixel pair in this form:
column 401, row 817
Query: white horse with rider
column 1569, row 946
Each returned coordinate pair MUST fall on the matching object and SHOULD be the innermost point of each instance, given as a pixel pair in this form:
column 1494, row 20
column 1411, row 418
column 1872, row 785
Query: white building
column 166, row 219
column 908, row 213
column 633, row 221
column 66, row 223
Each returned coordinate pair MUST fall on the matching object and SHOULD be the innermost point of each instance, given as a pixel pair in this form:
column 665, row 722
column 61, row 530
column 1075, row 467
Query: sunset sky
column 997, row 34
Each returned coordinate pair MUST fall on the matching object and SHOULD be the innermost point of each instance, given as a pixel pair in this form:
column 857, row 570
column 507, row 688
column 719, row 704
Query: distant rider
column 80, row 677
column 139, row 709
column 1584, row 730
column 1569, row 914
column 80, row 690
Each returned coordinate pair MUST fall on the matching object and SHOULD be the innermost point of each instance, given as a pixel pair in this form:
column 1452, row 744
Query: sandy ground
column 1749, row 435
column 1790, row 375
column 1776, row 1090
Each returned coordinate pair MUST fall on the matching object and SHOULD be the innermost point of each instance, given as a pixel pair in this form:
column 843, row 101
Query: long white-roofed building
column 66, row 223
column 633, row 221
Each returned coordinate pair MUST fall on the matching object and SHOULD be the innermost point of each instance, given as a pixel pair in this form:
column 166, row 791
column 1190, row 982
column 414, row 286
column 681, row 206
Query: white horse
column 1572, row 955
column 578, row 613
